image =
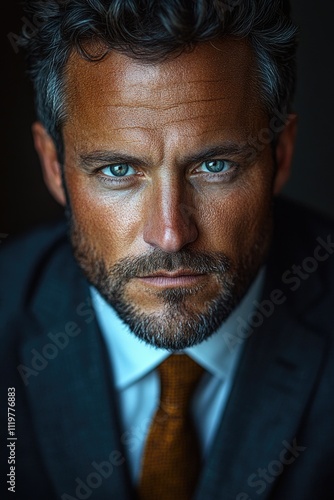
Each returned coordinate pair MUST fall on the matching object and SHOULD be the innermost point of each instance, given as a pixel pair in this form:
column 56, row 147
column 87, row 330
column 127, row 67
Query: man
column 165, row 130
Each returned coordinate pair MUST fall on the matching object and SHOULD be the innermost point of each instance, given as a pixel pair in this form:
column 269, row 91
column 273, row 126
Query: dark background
column 25, row 201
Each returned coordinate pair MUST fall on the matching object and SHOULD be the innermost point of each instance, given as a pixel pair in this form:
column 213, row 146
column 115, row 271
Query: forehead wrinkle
column 172, row 96
column 188, row 119
column 144, row 129
column 163, row 108
column 188, row 86
column 156, row 87
column 119, row 68
column 147, row 118
column 142, row 94
column 212, row 99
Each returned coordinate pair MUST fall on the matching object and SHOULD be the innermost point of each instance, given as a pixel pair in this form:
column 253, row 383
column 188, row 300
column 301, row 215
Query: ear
column 284, row 153
column 51, row 168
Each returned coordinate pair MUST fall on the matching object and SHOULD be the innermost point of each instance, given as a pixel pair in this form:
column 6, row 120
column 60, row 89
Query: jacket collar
column 70, row 390
column 277, row 374
column 276, row 377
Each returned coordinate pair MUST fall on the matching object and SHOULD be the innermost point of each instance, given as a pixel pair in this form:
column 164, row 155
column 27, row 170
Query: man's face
column 170, row 220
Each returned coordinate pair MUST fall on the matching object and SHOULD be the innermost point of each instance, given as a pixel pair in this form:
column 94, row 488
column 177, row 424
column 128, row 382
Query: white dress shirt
column 134, row 362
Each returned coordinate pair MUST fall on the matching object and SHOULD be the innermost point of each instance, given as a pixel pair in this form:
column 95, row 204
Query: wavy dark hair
column 154, row 30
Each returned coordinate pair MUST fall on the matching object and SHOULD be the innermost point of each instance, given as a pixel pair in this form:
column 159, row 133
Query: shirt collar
column 132, row 358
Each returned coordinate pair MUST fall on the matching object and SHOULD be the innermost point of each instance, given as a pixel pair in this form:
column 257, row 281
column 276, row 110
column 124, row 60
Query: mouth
column 165, row 279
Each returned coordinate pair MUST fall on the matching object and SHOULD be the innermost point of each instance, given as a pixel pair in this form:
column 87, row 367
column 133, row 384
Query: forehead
column 212, row 86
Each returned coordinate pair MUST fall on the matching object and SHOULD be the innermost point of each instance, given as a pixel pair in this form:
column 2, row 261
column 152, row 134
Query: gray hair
column 153, row 30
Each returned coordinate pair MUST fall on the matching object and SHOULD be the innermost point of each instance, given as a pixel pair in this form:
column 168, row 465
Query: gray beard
column 178, row 327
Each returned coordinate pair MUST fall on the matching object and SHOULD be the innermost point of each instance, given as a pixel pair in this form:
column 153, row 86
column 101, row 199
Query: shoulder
column 300, row 233
column 301, row 262
column 300, row 223
column 21, row 259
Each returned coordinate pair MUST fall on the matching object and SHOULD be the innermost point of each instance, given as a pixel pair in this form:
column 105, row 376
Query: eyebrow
column 228, row 150
column 241, row 151
column 91, row 159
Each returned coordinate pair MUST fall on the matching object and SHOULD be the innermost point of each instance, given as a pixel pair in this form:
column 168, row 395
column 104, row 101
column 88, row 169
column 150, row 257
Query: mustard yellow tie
column 171, row 460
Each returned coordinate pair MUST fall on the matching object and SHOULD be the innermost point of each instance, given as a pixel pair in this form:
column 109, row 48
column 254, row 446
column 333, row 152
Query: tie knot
column 179, row 376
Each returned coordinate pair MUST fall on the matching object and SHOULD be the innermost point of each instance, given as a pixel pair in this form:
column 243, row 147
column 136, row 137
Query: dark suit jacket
column 276, row 439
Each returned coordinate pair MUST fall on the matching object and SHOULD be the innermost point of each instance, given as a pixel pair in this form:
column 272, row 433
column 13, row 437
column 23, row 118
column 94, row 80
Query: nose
column 170, row 222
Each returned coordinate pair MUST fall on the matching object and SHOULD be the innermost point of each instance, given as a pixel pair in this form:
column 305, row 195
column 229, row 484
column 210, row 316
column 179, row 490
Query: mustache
column 159, row 261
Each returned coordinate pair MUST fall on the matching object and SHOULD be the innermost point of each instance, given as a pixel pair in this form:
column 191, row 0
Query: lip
column 167, row 279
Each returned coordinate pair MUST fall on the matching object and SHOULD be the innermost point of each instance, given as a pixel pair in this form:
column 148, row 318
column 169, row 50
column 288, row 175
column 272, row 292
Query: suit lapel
column 70, row 392
column 276, row 375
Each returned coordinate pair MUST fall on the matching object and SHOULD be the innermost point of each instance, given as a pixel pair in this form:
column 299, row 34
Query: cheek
column 236, row 221
column 111, row 223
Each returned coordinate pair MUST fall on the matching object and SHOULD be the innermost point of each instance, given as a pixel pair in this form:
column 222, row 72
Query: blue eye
column 217, row 166
column 118, row 170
